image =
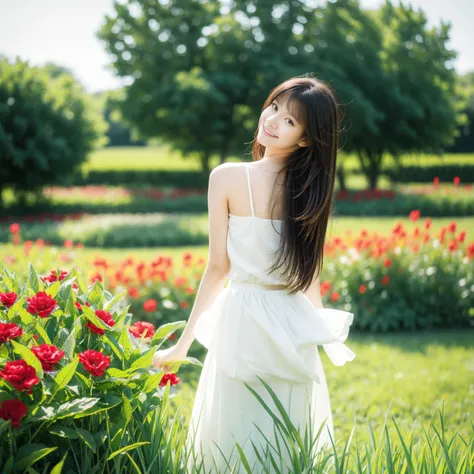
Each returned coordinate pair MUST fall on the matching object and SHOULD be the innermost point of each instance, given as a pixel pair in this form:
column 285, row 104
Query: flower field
column 94, row 283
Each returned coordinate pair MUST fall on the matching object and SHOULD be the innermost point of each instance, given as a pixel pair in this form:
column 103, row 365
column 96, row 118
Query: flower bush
column 72, row 371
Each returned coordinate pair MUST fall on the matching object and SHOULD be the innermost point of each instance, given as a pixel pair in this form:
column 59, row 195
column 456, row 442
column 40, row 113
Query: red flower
column 150, row 305
column 179, row 281
column 48, row 355
column 172, row 378
column 69, row 244
column 452, row 227
column 79, row 306
column 104, row 316
column 41, row 304
column 172, row 336
column 94, row 362
column 334, row 296
column 133, row 292
column 385, row 280
column 9, row 331
column 427, row 223
column 53, row 276
column 189, row 290
column 453, row 246
column 436, row 180
column 21, row 375
column 387, row 263
column 414, row 215
column 142, row 327
column 15, row 228
column 7, row 299
column 462, row 236
column 184, row 304
column 13, row 410
column 362, row 289
column 456, row 181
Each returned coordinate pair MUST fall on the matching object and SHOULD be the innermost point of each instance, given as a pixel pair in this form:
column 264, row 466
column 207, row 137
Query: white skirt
column 255, row 334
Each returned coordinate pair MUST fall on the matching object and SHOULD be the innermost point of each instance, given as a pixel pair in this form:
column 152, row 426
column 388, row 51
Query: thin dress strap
column 250, row 188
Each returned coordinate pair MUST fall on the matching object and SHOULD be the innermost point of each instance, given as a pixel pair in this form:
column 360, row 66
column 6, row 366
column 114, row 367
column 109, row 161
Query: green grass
column 406, row 375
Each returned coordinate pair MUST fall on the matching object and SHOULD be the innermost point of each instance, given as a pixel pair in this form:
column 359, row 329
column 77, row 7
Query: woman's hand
column 163, row 359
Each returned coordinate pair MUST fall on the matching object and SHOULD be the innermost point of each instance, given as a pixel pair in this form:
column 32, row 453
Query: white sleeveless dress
column 252, row 331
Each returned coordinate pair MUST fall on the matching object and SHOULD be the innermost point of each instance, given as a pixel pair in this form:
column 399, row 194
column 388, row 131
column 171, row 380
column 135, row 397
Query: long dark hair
column 310, row 176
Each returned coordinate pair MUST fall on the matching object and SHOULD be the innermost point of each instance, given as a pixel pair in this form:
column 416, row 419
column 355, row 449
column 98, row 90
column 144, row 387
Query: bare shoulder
column 225, row 173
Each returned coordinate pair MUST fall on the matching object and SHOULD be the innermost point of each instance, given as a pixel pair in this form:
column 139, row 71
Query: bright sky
column 64, row 32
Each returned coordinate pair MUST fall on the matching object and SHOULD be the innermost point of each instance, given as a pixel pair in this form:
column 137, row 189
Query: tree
column 47, row 126
column 119, row 133
column 421, row 107
column 465, row 141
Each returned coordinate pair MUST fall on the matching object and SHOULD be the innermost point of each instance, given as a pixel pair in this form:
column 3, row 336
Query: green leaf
column 124, row 341
column 126, row 448
column 95, row 320
column 127, row 408
column 66, row 409
column 70, row 344
column 164, row 330
column 15, row 308
column 28, row 357
column 79, row 280
column 152, row 382
column 26, row 318
column 29, row 454
column 33, row 279
column 59, row 466
column 53, row 288
column 7, row 279
column 64, row 432
column 96, row 294
column 65, row 292
column 40, row 330
column 114, row 300
column 88, row 439
column 114, row 345
column 113, row 372
column 144, row 361
column 65, row 375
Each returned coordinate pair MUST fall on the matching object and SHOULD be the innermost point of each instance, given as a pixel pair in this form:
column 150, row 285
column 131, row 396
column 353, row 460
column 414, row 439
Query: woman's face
column 286, row 132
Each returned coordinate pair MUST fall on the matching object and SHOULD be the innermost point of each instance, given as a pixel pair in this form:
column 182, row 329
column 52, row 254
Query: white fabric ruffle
column 253, row 332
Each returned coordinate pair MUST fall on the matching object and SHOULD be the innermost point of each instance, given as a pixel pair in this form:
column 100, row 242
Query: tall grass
column 392, row 450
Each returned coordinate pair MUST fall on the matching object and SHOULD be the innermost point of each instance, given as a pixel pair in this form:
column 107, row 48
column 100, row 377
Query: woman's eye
column 290, row 121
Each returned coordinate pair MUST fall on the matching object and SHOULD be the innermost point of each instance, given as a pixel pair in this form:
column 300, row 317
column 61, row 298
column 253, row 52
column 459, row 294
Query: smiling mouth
column 269, row 133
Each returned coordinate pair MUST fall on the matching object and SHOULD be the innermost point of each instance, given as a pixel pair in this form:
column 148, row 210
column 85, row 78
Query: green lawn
column 161, row 157
column 405, row 376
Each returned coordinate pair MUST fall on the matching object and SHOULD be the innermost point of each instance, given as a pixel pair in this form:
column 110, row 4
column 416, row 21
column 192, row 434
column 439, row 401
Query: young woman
column 267, row 226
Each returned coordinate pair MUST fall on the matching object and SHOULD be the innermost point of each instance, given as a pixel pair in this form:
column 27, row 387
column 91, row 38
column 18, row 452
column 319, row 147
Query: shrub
column 73, row 371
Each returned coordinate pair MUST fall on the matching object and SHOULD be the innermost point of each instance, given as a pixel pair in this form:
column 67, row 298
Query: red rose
column 48, row 355
column 150, row 305
column 104, row 316
column 172, row 378
column 7, row 299
column 13, row 410
column 21, row 375
column 9, row 331
column 41, row 304
column 94, row 362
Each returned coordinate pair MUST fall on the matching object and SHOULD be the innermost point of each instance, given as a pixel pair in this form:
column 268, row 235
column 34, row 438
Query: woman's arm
column 314, row 294
column 218, row 264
